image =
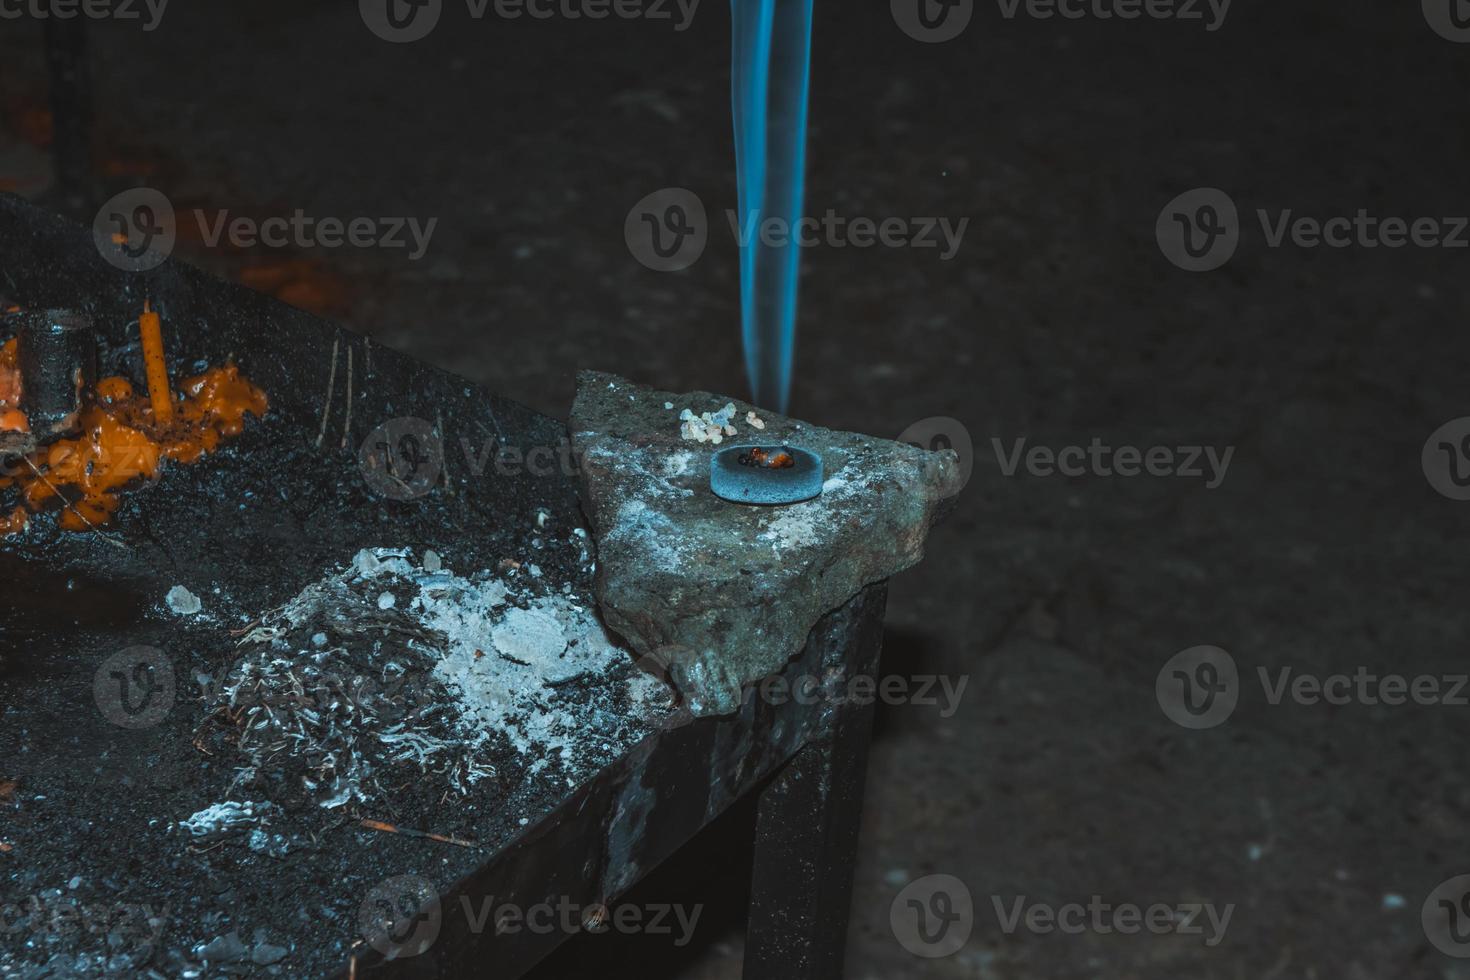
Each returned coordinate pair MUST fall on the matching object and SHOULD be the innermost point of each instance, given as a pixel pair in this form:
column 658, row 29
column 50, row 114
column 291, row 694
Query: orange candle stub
column 150, row 327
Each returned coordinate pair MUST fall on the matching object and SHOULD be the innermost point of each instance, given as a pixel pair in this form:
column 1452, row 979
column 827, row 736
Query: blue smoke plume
column 771, row 76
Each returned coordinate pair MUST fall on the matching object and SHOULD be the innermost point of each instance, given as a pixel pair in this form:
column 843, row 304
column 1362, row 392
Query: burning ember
column 771, row 459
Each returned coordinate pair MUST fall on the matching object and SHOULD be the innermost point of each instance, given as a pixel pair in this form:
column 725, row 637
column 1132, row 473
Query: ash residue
column 221, row 820
column 465, row 707
column 389, row 673
column 337, row 695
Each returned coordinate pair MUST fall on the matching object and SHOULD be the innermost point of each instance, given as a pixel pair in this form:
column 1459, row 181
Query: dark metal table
column 92, row 801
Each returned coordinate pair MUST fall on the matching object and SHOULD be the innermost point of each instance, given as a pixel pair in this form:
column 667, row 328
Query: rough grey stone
column 228, row 948
column 264, row 954
column 723, row 594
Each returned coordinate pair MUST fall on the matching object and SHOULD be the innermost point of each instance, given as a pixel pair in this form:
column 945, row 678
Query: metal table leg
column 806, row 839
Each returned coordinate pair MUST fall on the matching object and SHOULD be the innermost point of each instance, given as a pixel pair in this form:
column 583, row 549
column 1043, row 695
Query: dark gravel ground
column 1324, row 549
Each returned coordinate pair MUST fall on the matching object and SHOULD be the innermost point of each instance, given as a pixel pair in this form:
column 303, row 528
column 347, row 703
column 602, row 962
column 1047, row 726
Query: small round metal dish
column 767, row 475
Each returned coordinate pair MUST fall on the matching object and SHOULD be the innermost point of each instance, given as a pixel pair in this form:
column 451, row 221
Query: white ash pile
column 390, row 671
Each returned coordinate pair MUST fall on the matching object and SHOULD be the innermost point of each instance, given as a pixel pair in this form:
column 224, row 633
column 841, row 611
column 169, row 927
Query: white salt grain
column 711, row 427
column 183, row 602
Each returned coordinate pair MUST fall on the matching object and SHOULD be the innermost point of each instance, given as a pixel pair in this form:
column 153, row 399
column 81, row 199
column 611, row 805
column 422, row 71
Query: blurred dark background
column 1059, row 320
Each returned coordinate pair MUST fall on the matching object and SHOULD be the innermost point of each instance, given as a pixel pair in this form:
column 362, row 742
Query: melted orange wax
column 121, row 441
column 11, row 420
column 15, row 523
column 9, row 386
